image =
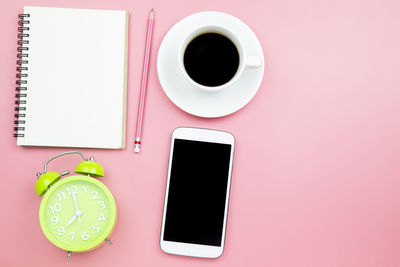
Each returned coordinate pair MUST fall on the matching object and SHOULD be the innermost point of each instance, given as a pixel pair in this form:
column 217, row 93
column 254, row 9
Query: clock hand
column 70, row 221
column 78, row 212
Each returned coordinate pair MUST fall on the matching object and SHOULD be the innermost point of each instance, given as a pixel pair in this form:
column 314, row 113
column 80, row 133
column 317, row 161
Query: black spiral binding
column 21, row 83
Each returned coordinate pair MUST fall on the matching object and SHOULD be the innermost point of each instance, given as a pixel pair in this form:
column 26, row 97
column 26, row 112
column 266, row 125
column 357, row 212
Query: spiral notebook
column 72, row 75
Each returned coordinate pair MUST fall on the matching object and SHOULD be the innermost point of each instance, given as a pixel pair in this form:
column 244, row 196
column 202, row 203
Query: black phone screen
column 197, row 192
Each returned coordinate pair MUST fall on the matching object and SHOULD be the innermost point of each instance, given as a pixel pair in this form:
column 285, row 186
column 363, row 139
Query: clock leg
column 108, row 241
column 69, row 255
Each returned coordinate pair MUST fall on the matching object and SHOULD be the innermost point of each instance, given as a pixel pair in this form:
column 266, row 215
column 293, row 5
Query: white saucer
column 194, row 100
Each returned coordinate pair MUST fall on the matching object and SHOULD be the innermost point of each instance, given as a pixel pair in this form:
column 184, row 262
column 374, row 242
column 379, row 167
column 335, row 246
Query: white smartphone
column 197, row 192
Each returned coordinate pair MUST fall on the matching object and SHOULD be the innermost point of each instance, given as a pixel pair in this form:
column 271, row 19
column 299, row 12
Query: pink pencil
column 143, row 86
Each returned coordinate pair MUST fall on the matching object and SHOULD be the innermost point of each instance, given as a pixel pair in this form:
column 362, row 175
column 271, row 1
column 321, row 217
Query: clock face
column 77, row 213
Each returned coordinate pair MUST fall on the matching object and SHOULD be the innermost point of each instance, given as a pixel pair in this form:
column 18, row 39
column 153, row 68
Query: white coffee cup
column 246, row 62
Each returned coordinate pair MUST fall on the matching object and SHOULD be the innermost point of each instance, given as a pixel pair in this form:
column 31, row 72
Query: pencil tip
column 152, row 13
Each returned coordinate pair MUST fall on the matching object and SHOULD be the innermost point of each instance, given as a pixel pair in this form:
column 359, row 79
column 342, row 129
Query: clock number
column 102, row 205
column 61, row 196
column 61, row 230
column 85, row 236
column 95, row 195
column 84, row 188
column 73, row 189
column 54, row 220
column 55, row 208
column 72, row 234
column 101, row 217
column 95, row 228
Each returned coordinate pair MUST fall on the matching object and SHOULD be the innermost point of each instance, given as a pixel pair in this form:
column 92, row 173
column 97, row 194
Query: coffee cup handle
column 253, row 62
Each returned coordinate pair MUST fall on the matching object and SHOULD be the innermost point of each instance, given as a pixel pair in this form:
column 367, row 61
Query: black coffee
column 211, row 59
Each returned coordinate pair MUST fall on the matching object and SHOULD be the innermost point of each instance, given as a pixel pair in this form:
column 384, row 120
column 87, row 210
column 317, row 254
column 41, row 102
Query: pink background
column 316, row 173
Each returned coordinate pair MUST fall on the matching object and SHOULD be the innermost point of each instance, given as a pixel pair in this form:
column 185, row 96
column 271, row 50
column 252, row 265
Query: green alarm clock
column 77, row 213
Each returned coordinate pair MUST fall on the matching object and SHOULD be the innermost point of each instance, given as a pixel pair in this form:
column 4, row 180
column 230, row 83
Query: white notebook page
column 76, row 90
